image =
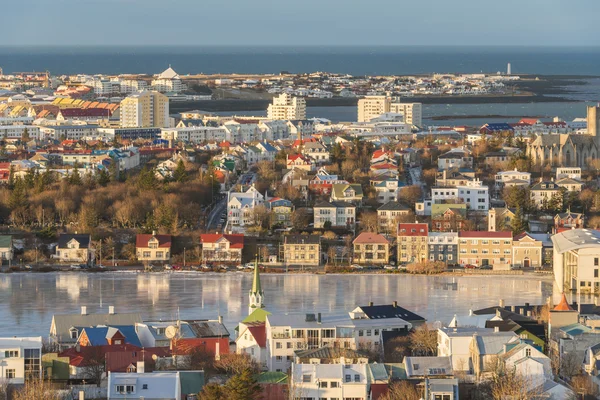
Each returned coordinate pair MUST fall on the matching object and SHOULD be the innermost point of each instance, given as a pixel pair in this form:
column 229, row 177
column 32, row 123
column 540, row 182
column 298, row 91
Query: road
column 215, row 215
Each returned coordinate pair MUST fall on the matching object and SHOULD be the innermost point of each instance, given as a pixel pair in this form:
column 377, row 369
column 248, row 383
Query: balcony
column 281, row 335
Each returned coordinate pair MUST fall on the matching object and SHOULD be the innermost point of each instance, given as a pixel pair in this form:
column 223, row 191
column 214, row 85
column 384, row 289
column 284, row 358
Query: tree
column 369, row 221
column 410, row 194
column 103, row 177
column 93, row 370
column 583, row 384
column 426, row 267
column 236, row 363
column 402, row 390
column 518, row 224
column 348, row 167
column 180, row 174
column 243, row 386
column 299, row 219
column 516, row 196
column 212, row 391
column 423, row 341
column 74, row 177
column 39, row 389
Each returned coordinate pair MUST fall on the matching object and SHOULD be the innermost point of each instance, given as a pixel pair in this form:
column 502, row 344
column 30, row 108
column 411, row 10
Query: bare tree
column 95, row 365
column 39, row 389
column 423, row 341
column 236, row 363
column 402, row 390
column 368, row 221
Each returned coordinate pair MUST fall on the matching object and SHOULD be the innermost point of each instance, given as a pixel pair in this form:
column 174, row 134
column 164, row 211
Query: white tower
column 508, row 71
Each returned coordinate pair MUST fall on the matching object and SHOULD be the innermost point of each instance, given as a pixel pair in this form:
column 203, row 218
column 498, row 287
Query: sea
column 29, row 300
column 355, row 60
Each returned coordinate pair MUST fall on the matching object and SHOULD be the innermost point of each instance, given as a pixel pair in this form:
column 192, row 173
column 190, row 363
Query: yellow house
column 413, row 243
column 371, row 248
column 527, row 251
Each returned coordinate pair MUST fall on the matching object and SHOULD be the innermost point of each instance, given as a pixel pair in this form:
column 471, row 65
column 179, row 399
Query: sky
column 296, row 23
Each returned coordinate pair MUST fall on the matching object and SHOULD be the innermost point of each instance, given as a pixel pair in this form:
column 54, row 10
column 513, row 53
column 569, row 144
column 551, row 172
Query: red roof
column 5, row 165
column 370, row 237
column 563, row 305
column 224, row 143
column 85, row 353
column 407, row 229
column 485, row 234
column 141, row 240
column 259, row 333
column 236, row 240
column 384, row 166
column 118, row 361
column 294, row 157
column 528, row 121
column 87, row 112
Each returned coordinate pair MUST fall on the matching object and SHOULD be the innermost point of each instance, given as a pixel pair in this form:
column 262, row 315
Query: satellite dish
column 171, row 331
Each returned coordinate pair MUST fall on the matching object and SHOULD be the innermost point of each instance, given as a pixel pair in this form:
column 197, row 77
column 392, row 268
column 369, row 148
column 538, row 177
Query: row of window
column 485, row 241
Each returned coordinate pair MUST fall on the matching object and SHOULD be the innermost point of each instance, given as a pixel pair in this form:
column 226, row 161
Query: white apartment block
column 571, row 173
column 339, row 213
column 130, row 86
column 241, row 132
column 168, row 81
column 413, row 112
column 287, row 333
column 69, row 132
column 474, row 194
column 17, row 131
column 20, row 357
column 371, row 107
column 329, row 381
column 195, row 134
column 240, row 206
column 287, row 107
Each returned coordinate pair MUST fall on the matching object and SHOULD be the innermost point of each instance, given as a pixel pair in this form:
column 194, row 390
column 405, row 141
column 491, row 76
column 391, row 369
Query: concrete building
column 481, row 248
column 329, row 381
column 21, row 358
column 512, row 178
column 371, row 107
column 339, row 213
column 17, row 131
column 389, row 216
column 144, row 110
column 287, row 107
column 413, row 112
column 412, row 242
column 302, row 250
column 168, row 81
column 577, row 260
column 371, row 248
column 443, row 246
column 474, row 194
column 527, row 251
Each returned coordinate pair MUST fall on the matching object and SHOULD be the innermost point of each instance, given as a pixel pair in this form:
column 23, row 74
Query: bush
column 426, row 267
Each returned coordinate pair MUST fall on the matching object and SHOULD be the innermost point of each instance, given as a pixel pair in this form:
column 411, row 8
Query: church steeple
column 256, row 293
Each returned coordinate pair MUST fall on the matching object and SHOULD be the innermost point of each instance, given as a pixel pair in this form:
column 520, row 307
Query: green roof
column 437, row 209
column 256, row 286
column 272, row 377
column 339, row 188
column 5, row 241
column 191, row 381
column 258, row 315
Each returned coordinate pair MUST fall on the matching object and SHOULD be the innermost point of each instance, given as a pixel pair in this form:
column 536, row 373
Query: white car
column 389, row 267
column 356, row 266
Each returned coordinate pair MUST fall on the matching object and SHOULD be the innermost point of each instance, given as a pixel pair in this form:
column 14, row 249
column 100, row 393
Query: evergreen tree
column 518, row 223
column 18, row 196
column 243, row 386
column 180, row 175
column 11, row 176
column 212, row 391
column 30, row 178
column 103, row 177
column 75, row 177
column 147, row 179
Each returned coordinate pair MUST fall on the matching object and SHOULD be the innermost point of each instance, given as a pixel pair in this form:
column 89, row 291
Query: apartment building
column 371, row 248
column 240, row 206
column 302, row 250
column 329, row 381
column 144, row 110
column 443, row 246
column 481, row 248
column 389, row 216
column 339, row 214
column 371, row 107
column 194, row 134
column 20, row 358
column 474, row 194
column 17, row 131
column 512, row 178
column 576, row 260
column 413, row 112
column 413, row 242
column 287, row 107
column 168, row 81
column 527, row 251
column 287, row 333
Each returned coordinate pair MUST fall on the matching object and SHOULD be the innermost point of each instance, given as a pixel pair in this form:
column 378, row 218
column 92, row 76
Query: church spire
column 256, row 294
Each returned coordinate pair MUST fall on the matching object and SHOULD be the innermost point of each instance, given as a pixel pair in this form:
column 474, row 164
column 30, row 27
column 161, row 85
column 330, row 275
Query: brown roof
column 163, row 240
column 370, row 237
column 485, row 234
column 563, row 305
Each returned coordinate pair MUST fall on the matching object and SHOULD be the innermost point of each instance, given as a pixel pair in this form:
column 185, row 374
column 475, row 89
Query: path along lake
column 28, row 300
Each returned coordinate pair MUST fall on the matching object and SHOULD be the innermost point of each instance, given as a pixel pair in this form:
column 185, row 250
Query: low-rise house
column 322, row 183
column 443, row 246
column 445, row 389
column 240, row 206
column 75, row 248
column 298, row 161
column 512, row 178
column 568, row 220
column 385, row 311
column 496, row 157
column 390, row 215
column 484, row 349
column 252, row 340
column 66, row 328
column 6, row 248
column 448, row 217
column 302, row 250
column 527, row 251
column 333, row 381
column 351, row 192
column 455, row 159
column 500, row 219
column 371, row 248
column 339, row 214
column 153, row 248
column 428, row 367
column 316, row 151
column 568, row 172
column 210, row 336
column 222, row 247
column 571, row 185
column 542, row 193
column 21, row 359
column 485, row 248
column 281, row 211
column 108, row 336
column 453, row 178
column 386, row 190
column 412, row 242
column 172, row 385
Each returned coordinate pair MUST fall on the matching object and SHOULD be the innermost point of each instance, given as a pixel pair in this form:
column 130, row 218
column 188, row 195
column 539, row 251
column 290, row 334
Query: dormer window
column 74, row 333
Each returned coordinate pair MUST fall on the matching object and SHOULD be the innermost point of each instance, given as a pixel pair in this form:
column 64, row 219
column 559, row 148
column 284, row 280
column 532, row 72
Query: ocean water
column 359, row 60
column 28, row 301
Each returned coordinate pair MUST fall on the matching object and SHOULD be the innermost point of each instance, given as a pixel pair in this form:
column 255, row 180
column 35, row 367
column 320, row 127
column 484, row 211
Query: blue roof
column 97, row 335
column 501, row 126
column 268, row 147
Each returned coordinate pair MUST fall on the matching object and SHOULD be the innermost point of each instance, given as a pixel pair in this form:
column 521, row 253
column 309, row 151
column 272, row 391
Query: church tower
column 256, row 294
column 593, row 122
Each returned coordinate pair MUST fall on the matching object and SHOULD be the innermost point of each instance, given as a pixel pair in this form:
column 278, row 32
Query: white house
column 512, row 178
column 20, row 357
column 329, row 381
column 241, row 204
column 338, row 213
column 252, row 341
column 153, row 386
column 474, row 194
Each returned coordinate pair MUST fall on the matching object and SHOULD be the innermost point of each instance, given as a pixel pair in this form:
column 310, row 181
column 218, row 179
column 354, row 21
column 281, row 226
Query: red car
column 176, row 267
column 470, row 266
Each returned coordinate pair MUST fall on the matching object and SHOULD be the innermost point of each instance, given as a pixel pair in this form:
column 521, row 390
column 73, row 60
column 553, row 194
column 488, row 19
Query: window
column 10, row 374
column 348, row 378
column 11, row 353
column 596, row 273
column 527, row 352
column 323, row 384
column 279, row 358
column 288, row 345
column 306, row 378
column 360, row 333
column 595, row 261
column 145, row 386
column 334, row 385
column 278, row 345
column 356, row 378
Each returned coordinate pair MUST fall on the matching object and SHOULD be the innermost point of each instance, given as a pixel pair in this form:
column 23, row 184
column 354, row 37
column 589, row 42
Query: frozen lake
column 28, row 301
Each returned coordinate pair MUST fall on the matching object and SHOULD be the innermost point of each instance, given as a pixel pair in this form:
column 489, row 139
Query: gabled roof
column 236, row 240
column 370, row 237
column 302, row 239
column 99, row 335
column 168, row 73
column 258, row 315
column 259, row 334
column 389, row 311
column 83, row 240
column 393, row 206
column 164, row 241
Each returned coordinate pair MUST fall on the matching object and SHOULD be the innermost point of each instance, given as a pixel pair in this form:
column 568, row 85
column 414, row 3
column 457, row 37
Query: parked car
column 470, row 266
column 75, row 266
column 204, row 266
column 167, row 267
column 389, row 267
column 356, row 266
column 177, row 267
column 225, row 267
column 486, row 267
column 27, row 267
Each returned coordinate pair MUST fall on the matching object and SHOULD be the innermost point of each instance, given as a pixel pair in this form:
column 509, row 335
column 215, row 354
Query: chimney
column 498, row 314
column 496, row 329
column 78, row 347
column 153, row 233
column 319, row 318
column 370, row 304
column 111, row 310
column 395, row 304
column 501, row 303
column 141, row 367
column 83, row 310
column 220, row 319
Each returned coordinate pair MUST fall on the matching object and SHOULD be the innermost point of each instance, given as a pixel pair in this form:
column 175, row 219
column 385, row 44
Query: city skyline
column 309, row 23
